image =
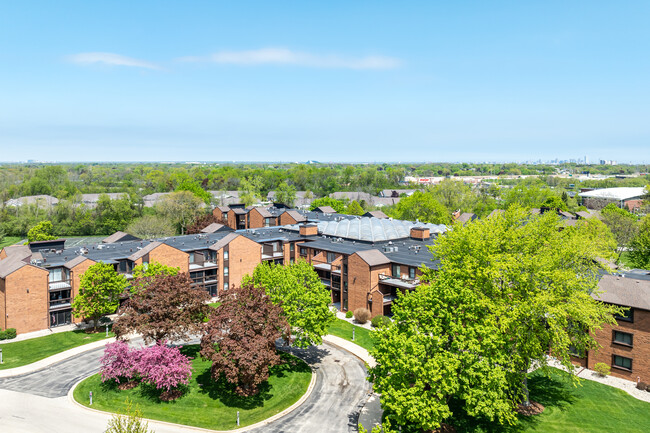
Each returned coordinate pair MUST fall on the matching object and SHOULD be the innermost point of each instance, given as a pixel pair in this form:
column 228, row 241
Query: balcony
column 57, row 304
column 202, row 264
column 402, row 283
column 60, row 285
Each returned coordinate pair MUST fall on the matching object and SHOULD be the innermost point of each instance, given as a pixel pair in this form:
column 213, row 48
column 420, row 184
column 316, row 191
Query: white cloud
column 110, row 59
column 284, row 56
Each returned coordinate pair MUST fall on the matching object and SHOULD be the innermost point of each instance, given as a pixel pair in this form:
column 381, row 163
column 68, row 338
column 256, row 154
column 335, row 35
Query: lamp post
column 1, row 362
column 353, row 333
column 237, row 418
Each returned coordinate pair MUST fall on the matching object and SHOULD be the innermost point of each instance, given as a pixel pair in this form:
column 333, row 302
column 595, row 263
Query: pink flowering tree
column 164, row 367
column 119, row 363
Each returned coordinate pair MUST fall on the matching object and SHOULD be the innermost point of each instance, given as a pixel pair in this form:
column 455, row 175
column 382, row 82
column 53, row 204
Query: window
column 575, row 352
column 331, row 257
column 225, row 286
column 622, row 362
column 267, row 222
column 225, row 217
column 225, row 254
column 412, row 273
column 56, row 274
column 627, row 316
column 623, row 338
column 192, row 258
column 292, row 261
column 292, row 247
column 276, row 247
column 396, row 271
column 345, row 268
column 303, row 251
column 225, row 271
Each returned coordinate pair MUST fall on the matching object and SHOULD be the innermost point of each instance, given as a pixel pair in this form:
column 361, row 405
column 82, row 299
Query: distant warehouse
column 629, row 198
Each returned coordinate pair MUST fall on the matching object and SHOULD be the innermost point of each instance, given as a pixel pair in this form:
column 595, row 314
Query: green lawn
column 9, row 240
column 214, row 304
column 588, row 408
column 343, row 329
column 25, row 352
column 205, row 403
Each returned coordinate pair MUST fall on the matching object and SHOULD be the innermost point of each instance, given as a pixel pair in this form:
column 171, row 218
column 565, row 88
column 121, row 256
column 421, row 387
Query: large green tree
column 623, row 225
column 297, row 289
column 285, row 194
column 100, row 288
column 421, row 206
column 640, row 245
column 337, row 205
column 181, row 208
column 43, row 231
column 510, row 290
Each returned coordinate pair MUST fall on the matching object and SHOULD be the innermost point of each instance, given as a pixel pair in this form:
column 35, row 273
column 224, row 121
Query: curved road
column 37, row 402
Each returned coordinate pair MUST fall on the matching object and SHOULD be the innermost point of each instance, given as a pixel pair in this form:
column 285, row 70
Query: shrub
column 349, row 314
column 642, row 386
column 602, row 369
column 380, row 321
column 10, row 333
column 3, row 335
column 128, row 422
column 361, row 315
column 164, row 367
column 120, row 362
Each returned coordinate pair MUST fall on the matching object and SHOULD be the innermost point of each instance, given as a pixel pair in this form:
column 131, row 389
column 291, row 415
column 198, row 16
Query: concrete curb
column 153, row 422
column 56, row 358
column 358, row 351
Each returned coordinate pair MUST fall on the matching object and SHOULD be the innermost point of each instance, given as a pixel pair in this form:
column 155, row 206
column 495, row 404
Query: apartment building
column 626, row 346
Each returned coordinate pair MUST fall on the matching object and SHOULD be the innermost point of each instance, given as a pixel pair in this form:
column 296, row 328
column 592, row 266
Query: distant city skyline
column 335, row 82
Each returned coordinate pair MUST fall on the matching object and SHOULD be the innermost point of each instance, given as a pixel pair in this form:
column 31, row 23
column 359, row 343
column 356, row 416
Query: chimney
column 420, row 233
column 308, row 230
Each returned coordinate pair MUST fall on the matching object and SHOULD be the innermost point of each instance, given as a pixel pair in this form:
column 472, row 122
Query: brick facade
column 24, row 303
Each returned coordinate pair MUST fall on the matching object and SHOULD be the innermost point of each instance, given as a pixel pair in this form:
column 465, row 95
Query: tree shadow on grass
column 224, row 391
column 553, row 392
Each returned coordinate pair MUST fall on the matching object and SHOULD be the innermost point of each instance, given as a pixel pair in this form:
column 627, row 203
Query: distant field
column 9, row 240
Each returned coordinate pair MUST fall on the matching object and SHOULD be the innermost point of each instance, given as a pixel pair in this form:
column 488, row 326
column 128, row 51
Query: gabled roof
column 567, row 215
column 496, row 212
column 465, row 217
column 629, row 291
column 584, row 214
column 212, row 228
column 373, row 257
column 77, row 260
column 264, row 212
column 18, row 250
column 142, row 252
column 296, row 215
column 239, row 210
column 325, row 209
column 11, row 264
column 375, row 214
column 223, row 208
column 223, row 241
column 118, row 237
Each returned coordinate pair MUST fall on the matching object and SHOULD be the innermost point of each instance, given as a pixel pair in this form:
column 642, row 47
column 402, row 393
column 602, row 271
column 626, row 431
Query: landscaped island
column 205, row 403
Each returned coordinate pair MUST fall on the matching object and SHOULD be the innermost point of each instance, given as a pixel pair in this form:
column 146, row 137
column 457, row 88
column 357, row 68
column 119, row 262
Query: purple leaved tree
column 120, row 363
column 164, row 367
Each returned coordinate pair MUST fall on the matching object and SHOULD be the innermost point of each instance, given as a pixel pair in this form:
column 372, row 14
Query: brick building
column 625, row 347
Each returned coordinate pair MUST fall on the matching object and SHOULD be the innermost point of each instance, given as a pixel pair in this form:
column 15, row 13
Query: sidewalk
column 354, row 349
column 38, row 365
column 367, row 325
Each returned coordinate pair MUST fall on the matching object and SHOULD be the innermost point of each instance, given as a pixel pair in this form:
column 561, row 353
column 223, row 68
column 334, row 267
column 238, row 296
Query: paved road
column 37, row 402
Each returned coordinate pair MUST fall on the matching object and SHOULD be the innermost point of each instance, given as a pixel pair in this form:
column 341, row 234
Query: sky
column 345, row 81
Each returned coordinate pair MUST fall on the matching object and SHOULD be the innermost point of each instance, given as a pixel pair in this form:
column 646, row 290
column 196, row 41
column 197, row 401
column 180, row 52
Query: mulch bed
column 533, row 409
column 127, row 385
column 170, row 395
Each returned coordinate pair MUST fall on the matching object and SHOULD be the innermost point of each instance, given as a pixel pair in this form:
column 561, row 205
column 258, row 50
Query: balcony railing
column 58, row 285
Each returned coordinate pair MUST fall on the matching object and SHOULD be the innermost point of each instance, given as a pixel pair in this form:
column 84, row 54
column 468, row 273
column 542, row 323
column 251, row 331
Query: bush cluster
column 602, row 369
column 349, row 314
column 361, row 315
column 380, row 321
column 643, row 386
column 159, row 365
column 8, row 334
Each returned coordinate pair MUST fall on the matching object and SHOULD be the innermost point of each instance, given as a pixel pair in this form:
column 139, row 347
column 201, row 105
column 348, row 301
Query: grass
column 206, row 403
column 25, row 352
column 214, row 304
column 343, row 329
column 590, row 407
column 9, row 240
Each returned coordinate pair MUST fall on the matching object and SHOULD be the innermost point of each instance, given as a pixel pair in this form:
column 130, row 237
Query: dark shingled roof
column 325, row 209
column 239, row 211
column 373, row 257
column 375, row 214
column 628, row 290
column 213, row 228
column 119, row 237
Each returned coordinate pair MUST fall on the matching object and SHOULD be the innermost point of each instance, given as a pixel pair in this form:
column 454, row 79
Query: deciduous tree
column 164, row 367
column 181, row 208
column 150, row 227
column 163, row 307
column 640, row 245
column 337, row 205
column 285, row 194
column 421, row 206
column 297, row 289
column 623, row 225
column 100, row 288
column 43, row 231
column 240, row 338
column 510, row 289
column 354, row 208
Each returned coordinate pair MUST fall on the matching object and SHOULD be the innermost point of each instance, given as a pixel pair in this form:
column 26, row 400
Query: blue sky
column 329, row 81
